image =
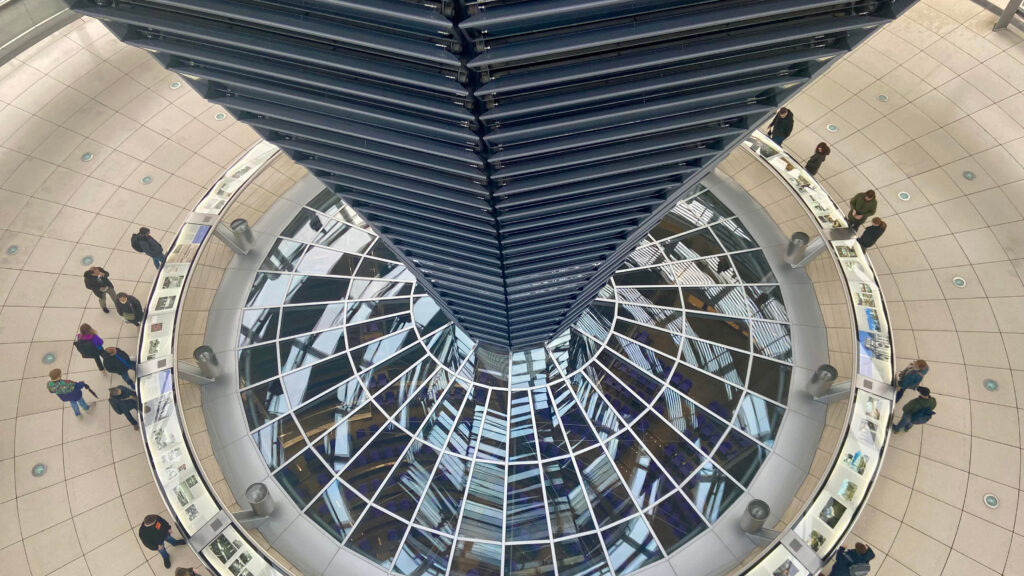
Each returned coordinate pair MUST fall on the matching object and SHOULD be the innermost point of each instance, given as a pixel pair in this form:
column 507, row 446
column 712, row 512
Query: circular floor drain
column 175, row 85
column 968, row 175
column 220, row 116
column 147, row 180
column 905, row 196
column 87, row 157
column 831, row 127
column 38, row 470
column 991, row 385
column 49, row 358
column 991, row 500
column 883, row 98
column 959, row 282
column 12, row 249
column 87, row 261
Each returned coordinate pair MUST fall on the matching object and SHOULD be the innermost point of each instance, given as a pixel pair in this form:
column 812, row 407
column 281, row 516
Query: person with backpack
column 917, row 411
column 98, row 280
column 90, row 345
column 146, row 244
column 122, row 401
column 117, row 361
column 68, row 391
column 154, row 532
column 853, row 562
column 910, row 377
column 129, row 308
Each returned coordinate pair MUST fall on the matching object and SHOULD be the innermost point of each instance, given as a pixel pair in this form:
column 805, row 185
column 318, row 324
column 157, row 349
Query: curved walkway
column 953, row 103
column 82, row 91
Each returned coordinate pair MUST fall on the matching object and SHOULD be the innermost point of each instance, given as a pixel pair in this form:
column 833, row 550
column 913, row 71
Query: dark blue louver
column 511, row 152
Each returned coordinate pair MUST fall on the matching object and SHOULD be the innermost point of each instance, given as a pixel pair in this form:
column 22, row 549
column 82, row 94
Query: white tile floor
column 82, row 91
column 955, row 103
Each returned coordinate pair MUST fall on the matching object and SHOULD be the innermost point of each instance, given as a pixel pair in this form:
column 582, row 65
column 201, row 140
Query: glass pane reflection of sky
column 601, row 452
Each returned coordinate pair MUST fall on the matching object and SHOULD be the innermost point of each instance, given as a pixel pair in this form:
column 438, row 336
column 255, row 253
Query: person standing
column 90, row 345
column 98, row 280
column 862, row 207
column 821, row 151
column 67, row 391
column 154, row 532
column 781, row 126
column 872, row 233
column 846, row 559
column 917, row 411
column 129, row 308
column 143, row 242
column 122, row 401
column 910, row 377
column 116, row 361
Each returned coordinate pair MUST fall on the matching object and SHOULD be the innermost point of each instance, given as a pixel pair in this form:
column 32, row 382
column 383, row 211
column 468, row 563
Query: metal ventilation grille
column 512, row 153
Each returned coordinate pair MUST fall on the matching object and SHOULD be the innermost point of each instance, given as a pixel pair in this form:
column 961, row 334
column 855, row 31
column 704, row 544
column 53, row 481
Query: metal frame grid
column 511, row 153
column 590, row 373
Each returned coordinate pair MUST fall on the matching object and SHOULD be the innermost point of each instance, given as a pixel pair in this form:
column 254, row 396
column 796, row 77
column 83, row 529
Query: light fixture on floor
column 87, row 157
column 87, row 261
column 883, row 98
column 904, row 195
column 831, row 127
column 49, row 358
column 38, row 470
column 959, row 282
column 175, row 85
column 12, row 249
column 991, row 385
column 968, row 175
column 147, row 180
column 991, row 500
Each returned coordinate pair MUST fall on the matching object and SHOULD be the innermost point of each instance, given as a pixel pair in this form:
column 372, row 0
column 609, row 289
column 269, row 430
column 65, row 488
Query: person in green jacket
column 862, row 208
column 917, row 411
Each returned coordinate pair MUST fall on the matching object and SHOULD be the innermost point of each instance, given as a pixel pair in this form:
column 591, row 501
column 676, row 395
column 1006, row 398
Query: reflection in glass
column 336, row 510
column 529, row 560
column 424, row 554
column 382, row 413
column 377, row 536
column 581, row 556
column 675, row 522
column 630, row 545
column 303, row 477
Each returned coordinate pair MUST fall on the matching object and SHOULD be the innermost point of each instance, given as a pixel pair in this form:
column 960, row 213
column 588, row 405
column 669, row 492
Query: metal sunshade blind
column 511, row 152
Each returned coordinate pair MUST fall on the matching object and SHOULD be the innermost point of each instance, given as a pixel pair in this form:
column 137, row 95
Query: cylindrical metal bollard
column 755, row 516
column 796, row 248
column 243, row 234
column 207, row 361
column 259, row 499
column 822, row 380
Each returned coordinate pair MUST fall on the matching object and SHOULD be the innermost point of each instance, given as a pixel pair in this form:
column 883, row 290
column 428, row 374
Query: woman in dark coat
column 821, row 151
column 872, row 233
column 781, row 126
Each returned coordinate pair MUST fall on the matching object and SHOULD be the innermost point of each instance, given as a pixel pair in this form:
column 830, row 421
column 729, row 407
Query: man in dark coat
column 98, row 280
column 122, row 401
column 143, row 242
column 917, row 411
column 129, row 308
column 872, row 233
column 116, row 361
column 781, row 126
column 846, row 559
column 154, row 532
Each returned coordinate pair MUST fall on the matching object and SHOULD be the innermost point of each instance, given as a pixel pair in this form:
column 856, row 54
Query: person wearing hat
column 917, row 411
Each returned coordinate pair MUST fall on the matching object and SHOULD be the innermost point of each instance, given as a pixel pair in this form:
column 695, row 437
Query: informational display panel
column 187, row 494
column 229, row 553
column 832, row 511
